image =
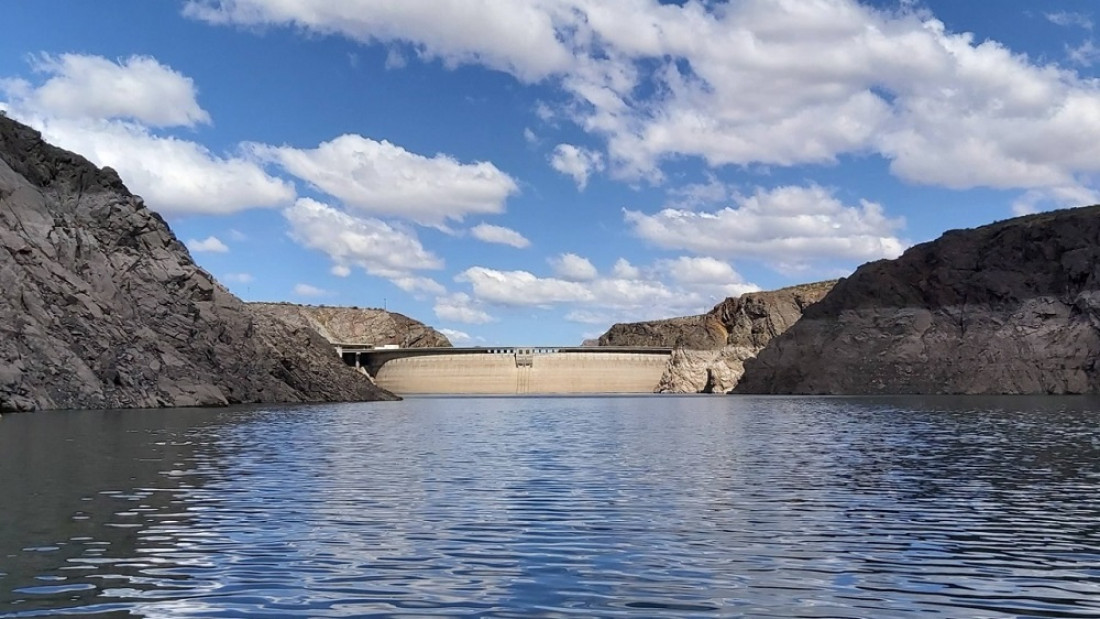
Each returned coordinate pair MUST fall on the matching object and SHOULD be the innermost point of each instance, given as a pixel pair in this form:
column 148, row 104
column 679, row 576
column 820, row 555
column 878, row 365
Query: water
column 643, row 506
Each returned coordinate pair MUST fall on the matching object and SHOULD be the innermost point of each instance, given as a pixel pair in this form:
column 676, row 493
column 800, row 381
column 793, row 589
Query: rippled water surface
column 644, row 506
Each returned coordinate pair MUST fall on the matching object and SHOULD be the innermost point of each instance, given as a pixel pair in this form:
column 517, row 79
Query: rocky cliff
column 102, row 307
column 353, row 325
column 1012, row 307
column 710, row 349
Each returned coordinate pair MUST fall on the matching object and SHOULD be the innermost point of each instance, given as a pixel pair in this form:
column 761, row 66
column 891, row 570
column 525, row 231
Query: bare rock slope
column 1012, row 307
column 102, row 307
column 353, row 325
column 710, row 349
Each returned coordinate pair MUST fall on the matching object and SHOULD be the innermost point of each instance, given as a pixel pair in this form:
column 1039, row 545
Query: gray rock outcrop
column 1008, row 308
column 709, row 350
column 102, row 307
column 353, row 325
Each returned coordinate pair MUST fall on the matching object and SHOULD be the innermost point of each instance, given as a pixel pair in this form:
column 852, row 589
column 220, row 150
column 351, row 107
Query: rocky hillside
column 102, row 307
column 711, row 348
column 1012, row 307
column 352, row 325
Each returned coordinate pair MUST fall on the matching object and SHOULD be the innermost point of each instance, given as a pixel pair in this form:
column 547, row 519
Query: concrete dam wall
column 510, row 372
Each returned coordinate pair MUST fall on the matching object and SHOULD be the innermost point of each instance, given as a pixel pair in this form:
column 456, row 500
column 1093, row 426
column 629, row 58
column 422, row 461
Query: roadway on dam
column 510, row 370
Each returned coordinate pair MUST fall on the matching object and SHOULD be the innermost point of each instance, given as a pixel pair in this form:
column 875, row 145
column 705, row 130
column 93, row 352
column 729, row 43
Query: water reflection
column 675, row 506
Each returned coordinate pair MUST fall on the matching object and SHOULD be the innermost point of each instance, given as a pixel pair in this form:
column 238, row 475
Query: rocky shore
column 709, row 350
column 1008, row 308
column 102, row 307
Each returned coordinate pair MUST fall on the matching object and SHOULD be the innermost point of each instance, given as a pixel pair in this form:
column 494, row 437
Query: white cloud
column 521, row 288
column 238, row 278
column 460, row 307
column 174, row 176
column 138, row 88
column 573, row 268
column 457, row 337
column 210, row 244
column 1086, row 54
column 517, row 37
column 775, row 82
column 419, row 285
column 694, row 195
column 340, row 270
column 305, row 290
column 784, row 225
column 669, row 287
column 576, row 162
column 1069, row 18
column 104, row 111
column 1057, row 197
column 380, row 178
column 371, row 244
column 624, row 270
column 499, row 234
column 699, row 269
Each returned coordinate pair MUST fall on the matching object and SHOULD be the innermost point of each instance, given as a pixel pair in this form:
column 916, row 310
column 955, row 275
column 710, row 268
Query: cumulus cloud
column 380, row 178
column 784, row 225
column 460, row 307
column 521, row 287
column 576, row 162
column 573, row 268
column 107, row 111
column 174, row 176
column 306, row 290
column 624, row 270
column 757, row 82
column 138, row 88
column 499, row 234
column 705, row 275
column 684, row 285
column 418, row 286
column 517, row 37
column 371, row 244
column 210, row 244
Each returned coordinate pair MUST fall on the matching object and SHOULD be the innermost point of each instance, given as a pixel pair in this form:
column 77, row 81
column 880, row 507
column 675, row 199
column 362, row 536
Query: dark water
column 649, row 506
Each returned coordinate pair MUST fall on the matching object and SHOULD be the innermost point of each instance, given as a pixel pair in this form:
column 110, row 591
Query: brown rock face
column 702, row 332
column 711, row 348
column 352, row 325
column 1012, row 307
column 750, row 320
column 102, row 307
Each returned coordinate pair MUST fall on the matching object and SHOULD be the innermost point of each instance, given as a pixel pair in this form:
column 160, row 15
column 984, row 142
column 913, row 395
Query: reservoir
column 650, row 506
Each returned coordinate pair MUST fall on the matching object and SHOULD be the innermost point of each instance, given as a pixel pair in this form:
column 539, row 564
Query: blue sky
column 532, row 171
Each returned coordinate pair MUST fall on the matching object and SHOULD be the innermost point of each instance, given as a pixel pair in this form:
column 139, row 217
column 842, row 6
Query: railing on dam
column 513, row 369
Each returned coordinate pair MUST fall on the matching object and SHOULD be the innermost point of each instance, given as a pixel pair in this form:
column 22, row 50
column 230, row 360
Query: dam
column 510, row 370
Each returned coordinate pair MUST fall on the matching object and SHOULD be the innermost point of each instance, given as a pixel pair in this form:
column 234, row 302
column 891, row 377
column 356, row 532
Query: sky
column 529, row 172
